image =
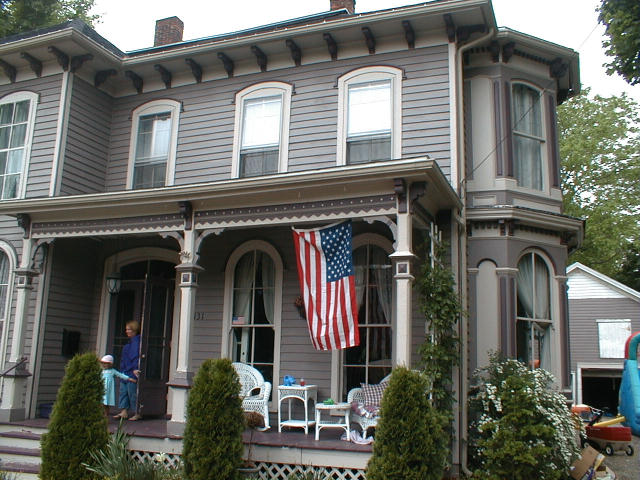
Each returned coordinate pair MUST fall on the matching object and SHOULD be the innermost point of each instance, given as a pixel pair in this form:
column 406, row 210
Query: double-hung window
column 369, row 115
column 17, row 114
column 533, row 328
column 528, row 137
column 153, row 149
column 262, row 130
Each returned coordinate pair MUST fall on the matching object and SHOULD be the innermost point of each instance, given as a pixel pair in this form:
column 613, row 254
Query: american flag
column 326, row 275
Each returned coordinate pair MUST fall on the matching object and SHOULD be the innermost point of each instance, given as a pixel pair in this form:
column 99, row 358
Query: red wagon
column 606, row 436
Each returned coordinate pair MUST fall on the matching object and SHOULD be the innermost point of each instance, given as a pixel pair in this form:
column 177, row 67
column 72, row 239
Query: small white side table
column 337, row 421
column 299, row 392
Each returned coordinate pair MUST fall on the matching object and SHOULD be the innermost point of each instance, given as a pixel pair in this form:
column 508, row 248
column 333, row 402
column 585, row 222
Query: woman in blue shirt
column 129, row 365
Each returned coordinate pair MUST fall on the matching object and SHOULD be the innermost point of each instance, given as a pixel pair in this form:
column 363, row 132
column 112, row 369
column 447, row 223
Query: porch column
column 182, row 379
column 12, row 406
column 402, row 260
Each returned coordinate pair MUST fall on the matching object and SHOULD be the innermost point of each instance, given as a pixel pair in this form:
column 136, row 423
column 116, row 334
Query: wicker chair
column 357, row 395
column 254, row 391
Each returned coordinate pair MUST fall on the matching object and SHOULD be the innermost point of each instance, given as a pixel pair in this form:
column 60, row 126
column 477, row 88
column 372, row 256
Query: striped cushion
column 373, row 393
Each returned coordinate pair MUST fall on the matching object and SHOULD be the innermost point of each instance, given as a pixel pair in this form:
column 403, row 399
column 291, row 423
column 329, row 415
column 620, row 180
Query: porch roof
column 337, row 183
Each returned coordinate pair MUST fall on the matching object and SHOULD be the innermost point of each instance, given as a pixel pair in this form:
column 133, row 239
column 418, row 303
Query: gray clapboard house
column 603, row 313
column 181, row 168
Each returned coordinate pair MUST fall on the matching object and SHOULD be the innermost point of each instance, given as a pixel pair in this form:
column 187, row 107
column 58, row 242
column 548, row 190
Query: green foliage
column 313, row 474
column 600, row 151
column 521, row 427
column 18, row 16
column 212, row 446
column 442, row 310
column 411, row 441
column 629, row 272
column 78, row 425
column 114, row 462
column 621, row 19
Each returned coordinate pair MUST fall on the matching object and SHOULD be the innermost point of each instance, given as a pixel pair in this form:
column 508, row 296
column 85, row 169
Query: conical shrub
column 78, row 425
column 411, row 439
column 212, row 448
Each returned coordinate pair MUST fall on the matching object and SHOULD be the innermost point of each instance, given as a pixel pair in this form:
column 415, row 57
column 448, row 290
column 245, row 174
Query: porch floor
column 294, row 438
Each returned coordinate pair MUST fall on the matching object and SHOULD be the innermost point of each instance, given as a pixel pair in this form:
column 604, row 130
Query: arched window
column 533, row 329
column 253, row 307
column 17, row 116
column 261, row 144
column 369, row 115
column 371, row 361
column 5, row 269
column 154, row 139
column 528, row 137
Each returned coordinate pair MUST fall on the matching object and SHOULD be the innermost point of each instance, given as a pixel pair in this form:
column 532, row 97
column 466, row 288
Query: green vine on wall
column 440, row 304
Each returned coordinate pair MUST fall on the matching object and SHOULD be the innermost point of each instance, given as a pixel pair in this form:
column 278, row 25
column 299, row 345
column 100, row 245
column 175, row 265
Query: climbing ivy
column 442, row 310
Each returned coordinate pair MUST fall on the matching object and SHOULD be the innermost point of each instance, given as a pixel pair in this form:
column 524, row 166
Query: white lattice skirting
column 266, row 471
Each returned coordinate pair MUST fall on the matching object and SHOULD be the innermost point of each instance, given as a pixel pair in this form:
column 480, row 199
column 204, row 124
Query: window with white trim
column 369, row 115
column 612, row 337
column 528, row 137
column 261, row 140
column 371, row 361
column 533, row 316
column 253, row 307
column 153, row 144
column 5, row 268
column 17, row 117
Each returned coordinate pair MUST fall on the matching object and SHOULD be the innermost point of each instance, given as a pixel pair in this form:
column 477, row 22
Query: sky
column 130, row 24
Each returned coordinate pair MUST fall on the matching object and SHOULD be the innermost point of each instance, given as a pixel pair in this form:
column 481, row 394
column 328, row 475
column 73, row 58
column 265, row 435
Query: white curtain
column 360, row 267
column 243, row 287
column 369, row 108
column 261, row 122
column 524, row 280
column 268, row 285
column 382, row 270
column 542, row 289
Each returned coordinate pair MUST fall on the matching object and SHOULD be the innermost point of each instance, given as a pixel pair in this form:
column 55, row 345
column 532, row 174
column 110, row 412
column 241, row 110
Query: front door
column 146, row 295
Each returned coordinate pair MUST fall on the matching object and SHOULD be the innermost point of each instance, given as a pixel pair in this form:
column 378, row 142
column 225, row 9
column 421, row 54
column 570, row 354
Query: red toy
column 607, row 435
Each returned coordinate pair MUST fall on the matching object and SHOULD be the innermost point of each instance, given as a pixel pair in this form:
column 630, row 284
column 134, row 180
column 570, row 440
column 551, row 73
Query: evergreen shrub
column 78, row 425
column 521, row 427
column 212, row 447
column 411, row 439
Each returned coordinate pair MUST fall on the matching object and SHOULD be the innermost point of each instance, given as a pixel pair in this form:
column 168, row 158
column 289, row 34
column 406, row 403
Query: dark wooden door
column 147, row 295
column 155, row 346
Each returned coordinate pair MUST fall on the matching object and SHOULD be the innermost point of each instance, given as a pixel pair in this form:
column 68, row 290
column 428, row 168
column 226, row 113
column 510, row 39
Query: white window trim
column 156, row 106
column 33, row 98
column 544, row 159
column 370, row 74
column 227, row 310
column 12, row 258
column 259, row 90
column 337, row 356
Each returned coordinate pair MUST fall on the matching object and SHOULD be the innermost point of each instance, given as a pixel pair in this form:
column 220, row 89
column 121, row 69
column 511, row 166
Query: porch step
column 21, row 471
column 21, row 439
column 20, row 451
column 19, row 455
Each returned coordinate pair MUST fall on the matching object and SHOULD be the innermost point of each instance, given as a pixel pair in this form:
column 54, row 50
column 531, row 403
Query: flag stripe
column 326, row 275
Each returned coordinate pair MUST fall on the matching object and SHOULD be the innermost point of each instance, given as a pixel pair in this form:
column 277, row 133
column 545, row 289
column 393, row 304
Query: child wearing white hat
column 108, row 377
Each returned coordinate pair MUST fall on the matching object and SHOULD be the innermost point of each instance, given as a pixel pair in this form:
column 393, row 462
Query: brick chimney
column 350, row 5
column 168, row 30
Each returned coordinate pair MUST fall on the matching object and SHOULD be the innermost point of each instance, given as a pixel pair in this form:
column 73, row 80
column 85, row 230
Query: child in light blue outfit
column 108, row 377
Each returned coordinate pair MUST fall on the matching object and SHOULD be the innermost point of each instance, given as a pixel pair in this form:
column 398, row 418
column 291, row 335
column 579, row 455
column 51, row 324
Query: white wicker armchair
column 254, row 391
column 357, row 395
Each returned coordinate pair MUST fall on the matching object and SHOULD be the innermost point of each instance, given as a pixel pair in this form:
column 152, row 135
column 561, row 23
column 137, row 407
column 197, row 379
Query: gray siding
column 205, row 136
column 44, row 135
column 71, row 305
column 584, row 329
column 87, row 148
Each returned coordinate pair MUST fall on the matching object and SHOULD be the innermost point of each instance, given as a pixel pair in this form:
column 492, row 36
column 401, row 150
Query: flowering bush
column 521, row 427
